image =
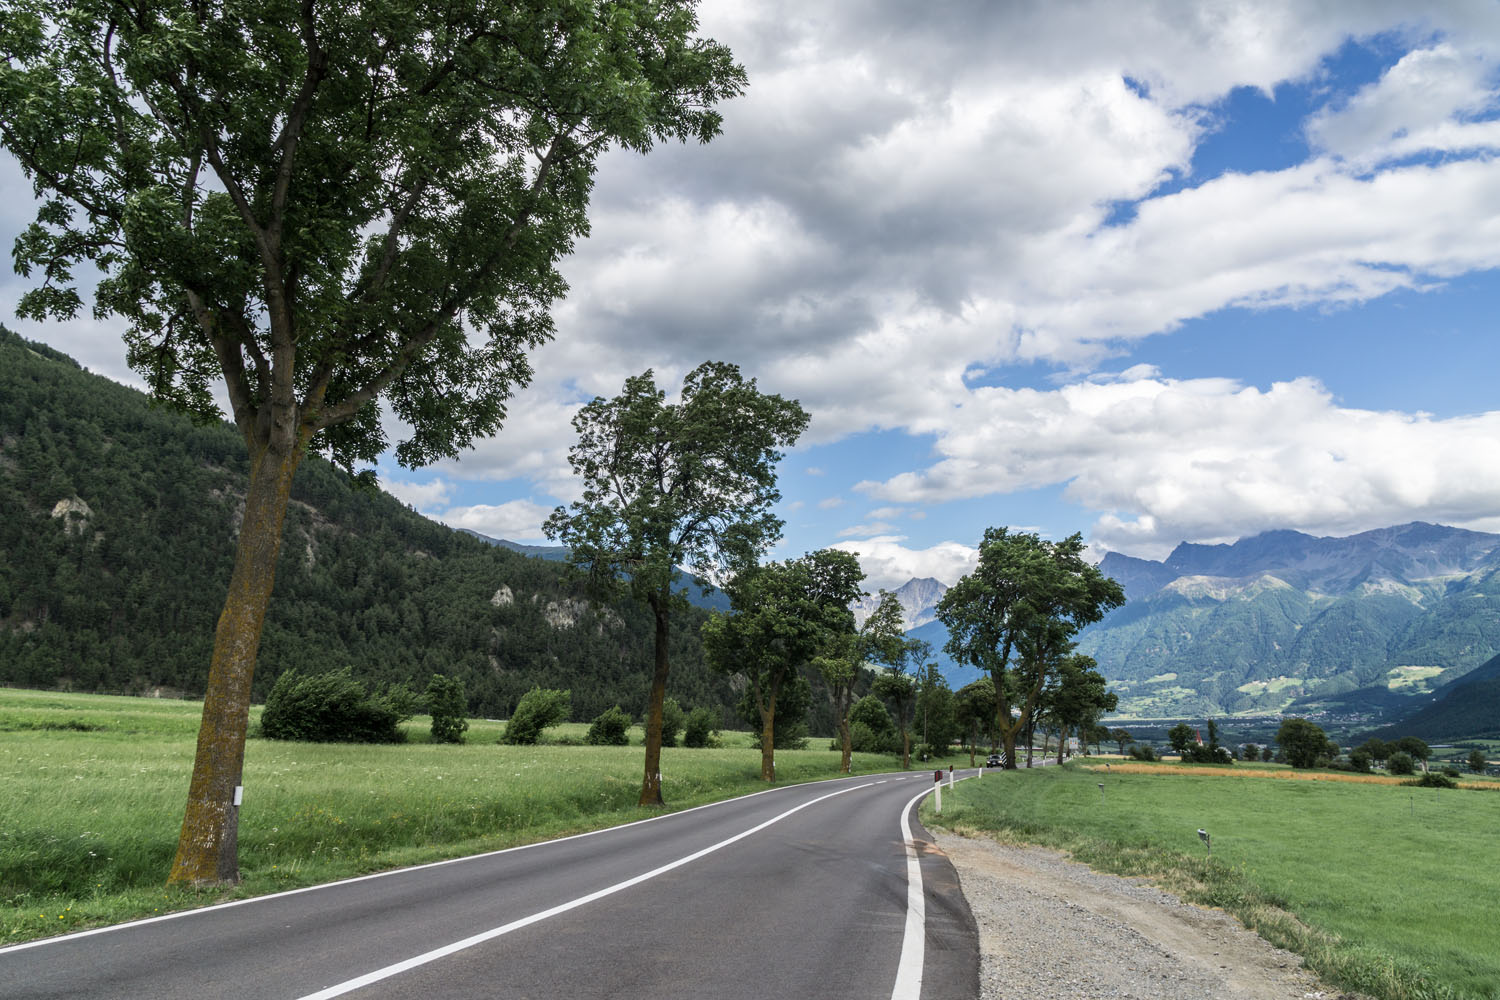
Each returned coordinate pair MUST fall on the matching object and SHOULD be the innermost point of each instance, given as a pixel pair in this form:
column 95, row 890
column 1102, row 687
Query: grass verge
column 1382, row 889
column 94, row 788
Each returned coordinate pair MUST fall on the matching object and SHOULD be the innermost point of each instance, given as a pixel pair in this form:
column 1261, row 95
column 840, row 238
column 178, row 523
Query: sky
column 1151, row 272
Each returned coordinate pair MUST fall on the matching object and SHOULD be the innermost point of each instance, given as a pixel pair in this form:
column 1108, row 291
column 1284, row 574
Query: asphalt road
column 807, row 891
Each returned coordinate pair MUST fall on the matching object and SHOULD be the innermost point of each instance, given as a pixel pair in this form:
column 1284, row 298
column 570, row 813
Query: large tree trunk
column 208, row 846
column 651, row 784
column 841, row 700
column 846, row 763
column 768, row 739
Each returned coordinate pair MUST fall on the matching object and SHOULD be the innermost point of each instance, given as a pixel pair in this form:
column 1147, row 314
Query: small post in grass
column 1101, row 791
column 1207, row 841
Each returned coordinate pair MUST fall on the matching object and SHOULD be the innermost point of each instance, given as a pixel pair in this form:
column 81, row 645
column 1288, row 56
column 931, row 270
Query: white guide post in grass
column 937, row 778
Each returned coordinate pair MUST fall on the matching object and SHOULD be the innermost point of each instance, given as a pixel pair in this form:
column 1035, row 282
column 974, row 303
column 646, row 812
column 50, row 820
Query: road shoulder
column 1053, row 927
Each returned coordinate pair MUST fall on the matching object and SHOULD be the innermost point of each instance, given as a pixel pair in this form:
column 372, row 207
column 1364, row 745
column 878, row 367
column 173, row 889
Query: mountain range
column 1368, row 627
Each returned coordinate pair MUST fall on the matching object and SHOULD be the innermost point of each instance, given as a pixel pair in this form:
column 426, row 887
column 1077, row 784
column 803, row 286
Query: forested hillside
column 117, row 522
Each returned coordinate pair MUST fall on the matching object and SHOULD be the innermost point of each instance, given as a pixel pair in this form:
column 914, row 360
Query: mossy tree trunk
column 207, row 849
column 651, row 783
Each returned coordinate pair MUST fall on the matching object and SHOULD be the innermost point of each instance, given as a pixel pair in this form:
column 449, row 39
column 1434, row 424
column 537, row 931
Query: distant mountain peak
column 918, row 597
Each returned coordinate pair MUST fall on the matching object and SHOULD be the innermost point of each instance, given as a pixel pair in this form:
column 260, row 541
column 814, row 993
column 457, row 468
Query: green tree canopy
column 1015, row 615
column 671, row 485
column 1302, row 741
column 1078, row 697
column 782, row 616
column 319, row 207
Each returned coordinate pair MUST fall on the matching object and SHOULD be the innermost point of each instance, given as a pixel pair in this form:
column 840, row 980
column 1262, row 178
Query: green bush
column 701, row 728
column 671, row 722
column 1360, row 759
column 538, row 708
column 449, row 707
column 871, row 729
column 333, row 708
column 1401, row 762
column 1432, row 779
column 1142, row 751
column 611, row 727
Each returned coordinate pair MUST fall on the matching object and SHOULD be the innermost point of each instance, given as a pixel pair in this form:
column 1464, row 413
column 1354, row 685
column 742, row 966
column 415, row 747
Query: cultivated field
column 94, row 787
column 1385, row 888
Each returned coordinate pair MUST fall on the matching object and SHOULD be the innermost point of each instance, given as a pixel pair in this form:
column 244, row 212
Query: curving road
column 824, row 890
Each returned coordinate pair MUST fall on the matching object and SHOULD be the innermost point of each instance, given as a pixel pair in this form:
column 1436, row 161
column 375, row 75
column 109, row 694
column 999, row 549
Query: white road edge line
column 489, row 935
column 212, row 908
column 914, row 941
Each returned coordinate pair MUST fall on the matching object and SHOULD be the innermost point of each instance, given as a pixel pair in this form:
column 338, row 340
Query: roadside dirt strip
column 1050, row 927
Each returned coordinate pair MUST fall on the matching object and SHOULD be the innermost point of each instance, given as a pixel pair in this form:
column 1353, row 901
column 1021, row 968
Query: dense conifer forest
column 117, row 526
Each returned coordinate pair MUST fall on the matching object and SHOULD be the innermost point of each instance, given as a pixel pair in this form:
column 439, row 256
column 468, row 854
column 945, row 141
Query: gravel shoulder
column 1051, row 927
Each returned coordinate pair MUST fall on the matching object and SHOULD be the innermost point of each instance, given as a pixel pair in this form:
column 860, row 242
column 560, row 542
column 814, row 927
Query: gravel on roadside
column 1053, row 928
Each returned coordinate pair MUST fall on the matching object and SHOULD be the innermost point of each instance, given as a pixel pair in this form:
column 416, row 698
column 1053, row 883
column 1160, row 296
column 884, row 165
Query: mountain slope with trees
column 1350, row 626
column 117, row 527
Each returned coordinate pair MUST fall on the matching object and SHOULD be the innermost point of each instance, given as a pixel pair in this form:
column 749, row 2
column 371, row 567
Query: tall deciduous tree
column 782, row 615
column 841, row 664
column 1077, row 698
column 319, row 206
column 1016, row 614
column 668, row 486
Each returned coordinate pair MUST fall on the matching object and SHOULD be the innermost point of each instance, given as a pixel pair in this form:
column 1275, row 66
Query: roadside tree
column 1078, row 697
column 1477, row 763
column 672, row 486
column 936, row 710
column 845, row 657
column 975, row 706
column 1120, row 736
column 1015, row 617
column 319, row 207
column 781, row 616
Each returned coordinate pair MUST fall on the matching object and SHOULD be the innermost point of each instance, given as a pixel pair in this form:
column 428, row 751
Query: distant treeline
column 122, row 597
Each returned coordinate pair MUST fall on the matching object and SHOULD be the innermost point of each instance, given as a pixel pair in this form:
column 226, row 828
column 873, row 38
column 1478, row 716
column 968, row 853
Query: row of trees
column 320, row 211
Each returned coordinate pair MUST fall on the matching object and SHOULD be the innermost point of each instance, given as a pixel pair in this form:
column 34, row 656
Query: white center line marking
column 489, row 935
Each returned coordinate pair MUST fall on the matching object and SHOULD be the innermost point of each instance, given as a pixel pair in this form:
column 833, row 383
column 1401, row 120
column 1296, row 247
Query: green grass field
column 1387, row 889
column 94, row 788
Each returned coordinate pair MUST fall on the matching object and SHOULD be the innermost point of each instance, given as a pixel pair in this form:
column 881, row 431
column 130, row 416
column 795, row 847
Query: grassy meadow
column 1384, row 888
column 92, row 789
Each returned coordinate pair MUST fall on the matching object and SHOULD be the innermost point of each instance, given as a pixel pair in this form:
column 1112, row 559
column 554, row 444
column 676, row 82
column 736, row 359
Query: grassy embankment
column 92, row 791
column 1384, row 888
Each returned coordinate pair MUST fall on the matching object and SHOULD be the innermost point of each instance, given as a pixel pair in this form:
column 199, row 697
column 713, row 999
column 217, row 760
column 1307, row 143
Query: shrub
column 1433, row 779
column 1142, row 751
column 611, row 728
column 701, row 728
column 538, row 708
column 1360, row 759
column 1477, row 763
column 672, row 721
column 448, row 705
column 1400, row 762
column 333, row 708
column 879, row 734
